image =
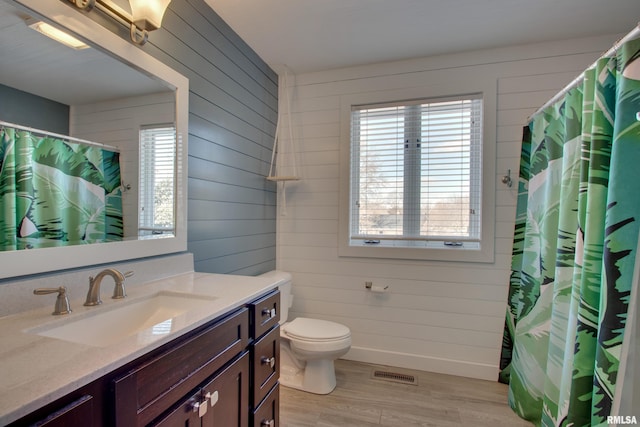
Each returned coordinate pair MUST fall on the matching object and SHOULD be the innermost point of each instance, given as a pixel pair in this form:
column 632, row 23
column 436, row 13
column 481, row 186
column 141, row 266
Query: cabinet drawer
column 265, row 313
column 83, row 407
column 76, row 413
column 149, row 389
column 266, row 362
column 268, row 413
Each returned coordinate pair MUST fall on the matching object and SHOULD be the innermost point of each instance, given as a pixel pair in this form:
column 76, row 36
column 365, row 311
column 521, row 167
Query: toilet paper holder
column 369, row 286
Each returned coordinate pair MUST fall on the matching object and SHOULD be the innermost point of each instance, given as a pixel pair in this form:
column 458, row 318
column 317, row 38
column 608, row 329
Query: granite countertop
column 36, row 370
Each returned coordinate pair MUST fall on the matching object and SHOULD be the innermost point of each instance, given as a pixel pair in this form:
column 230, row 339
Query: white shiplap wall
column 437, row 316
column 117, row 123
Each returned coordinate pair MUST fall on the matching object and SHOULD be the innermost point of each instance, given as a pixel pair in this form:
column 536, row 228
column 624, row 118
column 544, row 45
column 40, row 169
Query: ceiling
column 314, row 35
column 36, row 64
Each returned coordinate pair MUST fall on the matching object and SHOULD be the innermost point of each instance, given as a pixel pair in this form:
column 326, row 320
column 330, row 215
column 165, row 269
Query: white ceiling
column 36, row 64
column 313, row 35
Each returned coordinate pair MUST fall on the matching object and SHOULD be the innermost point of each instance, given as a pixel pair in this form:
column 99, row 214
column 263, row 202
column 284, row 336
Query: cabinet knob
column 200, row 408
column 213, row 397
column 268, row 423
column 269, row 312
column 271, row 361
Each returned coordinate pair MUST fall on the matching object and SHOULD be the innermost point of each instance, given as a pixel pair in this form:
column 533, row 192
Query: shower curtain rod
column 57, row 135
column 612, row 51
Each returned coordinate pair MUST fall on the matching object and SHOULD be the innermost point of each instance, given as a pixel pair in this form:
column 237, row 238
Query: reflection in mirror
column 76, row 192
column 112, row 94
column 57, row 190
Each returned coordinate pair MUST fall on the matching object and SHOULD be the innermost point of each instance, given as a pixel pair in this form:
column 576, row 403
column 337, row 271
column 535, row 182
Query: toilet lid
column 315, row 329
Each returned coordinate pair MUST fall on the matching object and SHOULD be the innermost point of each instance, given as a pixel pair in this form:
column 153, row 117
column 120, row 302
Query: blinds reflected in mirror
column 157, row 180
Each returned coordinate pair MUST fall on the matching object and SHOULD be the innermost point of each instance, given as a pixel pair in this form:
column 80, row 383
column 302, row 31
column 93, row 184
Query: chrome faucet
column 93, row 296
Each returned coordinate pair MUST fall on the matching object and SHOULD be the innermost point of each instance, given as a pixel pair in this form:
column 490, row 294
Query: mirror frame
column 32, row 261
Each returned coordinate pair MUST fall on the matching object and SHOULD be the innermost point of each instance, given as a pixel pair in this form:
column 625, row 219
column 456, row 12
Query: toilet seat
column 315, row 330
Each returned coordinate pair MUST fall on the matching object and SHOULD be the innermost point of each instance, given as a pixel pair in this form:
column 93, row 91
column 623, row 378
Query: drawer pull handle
column 268, row 423
column 271, row 361
column 270, row 313
column 213, row 398
column 200, row 408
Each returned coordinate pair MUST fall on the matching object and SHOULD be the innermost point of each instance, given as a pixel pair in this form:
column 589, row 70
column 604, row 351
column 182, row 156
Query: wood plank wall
column 437, row 316
column 233, row 107
column 233, row 103
column 117, row 123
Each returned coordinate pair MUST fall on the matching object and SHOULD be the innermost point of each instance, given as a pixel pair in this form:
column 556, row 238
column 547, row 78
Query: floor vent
column 394, row 376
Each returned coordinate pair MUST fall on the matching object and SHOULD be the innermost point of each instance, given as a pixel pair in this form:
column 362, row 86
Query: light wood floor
column 437, row 400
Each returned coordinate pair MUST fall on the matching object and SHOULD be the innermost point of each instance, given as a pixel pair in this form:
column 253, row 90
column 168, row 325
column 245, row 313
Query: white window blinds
column 157, row 185
column 416, row 173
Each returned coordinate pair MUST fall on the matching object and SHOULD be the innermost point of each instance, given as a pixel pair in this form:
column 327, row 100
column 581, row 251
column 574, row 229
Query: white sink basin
column 148, row 319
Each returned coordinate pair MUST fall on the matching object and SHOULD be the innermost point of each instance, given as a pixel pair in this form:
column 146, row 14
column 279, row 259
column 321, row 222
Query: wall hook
column 507, row 179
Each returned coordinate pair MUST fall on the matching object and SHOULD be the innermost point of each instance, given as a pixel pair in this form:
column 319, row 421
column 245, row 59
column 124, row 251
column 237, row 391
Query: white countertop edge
column 41, row 387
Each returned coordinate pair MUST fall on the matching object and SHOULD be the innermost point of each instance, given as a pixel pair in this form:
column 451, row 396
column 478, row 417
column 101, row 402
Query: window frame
column 147, row 188
column 485, row 252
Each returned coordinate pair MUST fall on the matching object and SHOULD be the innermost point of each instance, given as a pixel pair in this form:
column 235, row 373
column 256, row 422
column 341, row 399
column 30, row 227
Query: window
column 157, row 186
column 416, row 174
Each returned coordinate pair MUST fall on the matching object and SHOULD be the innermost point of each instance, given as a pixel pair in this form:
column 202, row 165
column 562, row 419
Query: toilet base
column 318, row 376
column 314, row 376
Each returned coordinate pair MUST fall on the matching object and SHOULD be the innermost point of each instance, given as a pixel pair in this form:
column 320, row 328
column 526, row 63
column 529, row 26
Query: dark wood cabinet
column 268, row 413
column 185, row 414
column 82, row 407
column 79, row 412
column 265, row 313
column 228, row 396
column 222, row 374
column 151, row 388
column 221, row 401
column 266, row 366
column 265, row 352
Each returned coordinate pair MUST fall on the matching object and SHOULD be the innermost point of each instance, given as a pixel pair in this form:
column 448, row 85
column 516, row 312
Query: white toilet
column 308, row 347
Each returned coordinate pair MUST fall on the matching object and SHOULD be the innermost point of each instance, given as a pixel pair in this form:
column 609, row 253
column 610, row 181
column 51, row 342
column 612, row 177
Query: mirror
column 111, row 91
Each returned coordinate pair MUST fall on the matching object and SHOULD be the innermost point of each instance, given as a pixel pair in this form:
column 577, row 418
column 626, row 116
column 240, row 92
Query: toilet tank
column 282, row 280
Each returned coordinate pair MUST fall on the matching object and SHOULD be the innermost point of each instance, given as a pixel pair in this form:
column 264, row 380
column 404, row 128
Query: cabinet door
column 266, row 353
column 184, row 415
column 227, row 395
column 222, row 401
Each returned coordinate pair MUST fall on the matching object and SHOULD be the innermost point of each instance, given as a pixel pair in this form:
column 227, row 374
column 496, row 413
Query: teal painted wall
column 30, row 110
column 233, row 104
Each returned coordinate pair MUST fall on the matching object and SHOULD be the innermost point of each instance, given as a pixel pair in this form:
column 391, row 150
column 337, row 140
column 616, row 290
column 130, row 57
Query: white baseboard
column 424, row 363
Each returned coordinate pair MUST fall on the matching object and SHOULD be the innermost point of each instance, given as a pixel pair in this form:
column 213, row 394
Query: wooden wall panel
column 437, row 315
column 232, row 118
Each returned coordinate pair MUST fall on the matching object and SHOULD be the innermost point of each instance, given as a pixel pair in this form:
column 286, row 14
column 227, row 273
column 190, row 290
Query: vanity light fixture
column 56, row 34
column 146, row 15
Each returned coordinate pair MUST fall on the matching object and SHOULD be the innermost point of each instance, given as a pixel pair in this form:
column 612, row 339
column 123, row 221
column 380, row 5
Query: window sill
column 455, row 254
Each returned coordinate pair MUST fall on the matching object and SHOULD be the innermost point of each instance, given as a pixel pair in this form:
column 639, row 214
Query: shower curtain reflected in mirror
column 57, row 193
column 575, row 242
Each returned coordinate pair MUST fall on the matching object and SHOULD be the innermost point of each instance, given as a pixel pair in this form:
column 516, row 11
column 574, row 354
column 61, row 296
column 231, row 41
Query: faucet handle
column 62, row 302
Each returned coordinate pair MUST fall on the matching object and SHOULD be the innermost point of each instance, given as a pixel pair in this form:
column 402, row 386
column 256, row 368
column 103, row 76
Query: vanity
column 216, row 363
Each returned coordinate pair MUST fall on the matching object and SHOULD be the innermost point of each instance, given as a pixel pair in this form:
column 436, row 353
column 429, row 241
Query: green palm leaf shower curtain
column 576, row 237
column 56, row 193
